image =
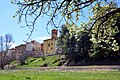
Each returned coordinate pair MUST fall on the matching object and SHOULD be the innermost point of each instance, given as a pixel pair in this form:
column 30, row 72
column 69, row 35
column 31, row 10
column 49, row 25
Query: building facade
column 21, row 48
column 29, row 47
column 33, row 46
column 37, row 45
column 49, row 46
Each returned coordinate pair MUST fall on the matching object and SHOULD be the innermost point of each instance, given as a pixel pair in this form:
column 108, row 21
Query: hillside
column 47, row 61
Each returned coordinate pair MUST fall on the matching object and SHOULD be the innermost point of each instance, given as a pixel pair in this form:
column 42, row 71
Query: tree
column 83, row 42
column 63, row 39
column 75, row 43
column 104, row 30
column 67, row 43
column 31, row 10
column 5, row 44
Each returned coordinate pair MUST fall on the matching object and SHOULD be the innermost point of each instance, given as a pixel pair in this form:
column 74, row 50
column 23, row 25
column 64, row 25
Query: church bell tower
column 54, row 34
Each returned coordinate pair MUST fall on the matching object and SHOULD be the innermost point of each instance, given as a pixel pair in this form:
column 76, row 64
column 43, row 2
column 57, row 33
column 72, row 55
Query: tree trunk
column 1, row 65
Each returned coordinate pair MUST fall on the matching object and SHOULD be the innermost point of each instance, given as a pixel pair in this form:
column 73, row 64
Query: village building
column 29, row 47
column 10, row 52
column 37, row 45
column 19, row 50
column 49, row 46
column 33, row 46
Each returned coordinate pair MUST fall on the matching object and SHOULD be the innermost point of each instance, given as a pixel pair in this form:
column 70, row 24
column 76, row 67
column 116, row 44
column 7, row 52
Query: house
column 33, row 46
column 49, row 45
column 29, row 47
column 37, row 45
column 10, row 52
column 11, row 55
column 19, row 50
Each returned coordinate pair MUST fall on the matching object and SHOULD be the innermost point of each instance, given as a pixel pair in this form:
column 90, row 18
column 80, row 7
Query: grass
column 37, row 62
column 59, row 75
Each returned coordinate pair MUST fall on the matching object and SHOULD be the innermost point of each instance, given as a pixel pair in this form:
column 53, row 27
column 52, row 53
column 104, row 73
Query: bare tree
column 5, row 44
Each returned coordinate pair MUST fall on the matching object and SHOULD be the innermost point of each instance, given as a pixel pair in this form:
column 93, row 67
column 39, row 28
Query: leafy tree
column 104, row 30
column 67, row 42
column 63, row 39
column 74, row 42
column 5, row 44
column 83, row 41
column 68, row 10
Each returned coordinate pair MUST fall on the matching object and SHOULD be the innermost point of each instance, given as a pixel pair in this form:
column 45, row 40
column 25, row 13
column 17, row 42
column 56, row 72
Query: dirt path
column 105, row 67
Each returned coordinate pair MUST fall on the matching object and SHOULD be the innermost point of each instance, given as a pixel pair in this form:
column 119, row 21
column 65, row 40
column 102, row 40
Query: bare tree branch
column 5, row 44
column 53, row 9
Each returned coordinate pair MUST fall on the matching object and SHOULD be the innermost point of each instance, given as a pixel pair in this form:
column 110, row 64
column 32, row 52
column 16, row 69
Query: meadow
column 58, row 75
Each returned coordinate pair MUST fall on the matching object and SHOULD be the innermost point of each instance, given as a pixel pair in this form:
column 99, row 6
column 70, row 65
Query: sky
column 8, row 24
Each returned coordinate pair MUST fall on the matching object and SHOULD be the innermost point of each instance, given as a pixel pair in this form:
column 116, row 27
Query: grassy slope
column 37, row 62
column 59, row 75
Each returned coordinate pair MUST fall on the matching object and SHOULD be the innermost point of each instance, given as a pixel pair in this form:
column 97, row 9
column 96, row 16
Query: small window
column 48, row 45
column 51, row 43
column 33, row 49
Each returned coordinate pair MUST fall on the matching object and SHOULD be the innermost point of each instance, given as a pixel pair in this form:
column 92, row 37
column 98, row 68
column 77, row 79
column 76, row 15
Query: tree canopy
column 69, row 11
column 96, row 40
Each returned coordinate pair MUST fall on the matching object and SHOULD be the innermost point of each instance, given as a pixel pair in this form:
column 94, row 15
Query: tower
column 54, row 34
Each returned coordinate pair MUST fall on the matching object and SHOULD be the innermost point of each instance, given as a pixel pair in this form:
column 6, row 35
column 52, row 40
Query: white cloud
column 13, row 45
column 40, row 39
column 43, row 38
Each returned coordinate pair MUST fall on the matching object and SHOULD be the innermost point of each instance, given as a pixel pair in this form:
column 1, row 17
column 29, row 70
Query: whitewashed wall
column 30, row 47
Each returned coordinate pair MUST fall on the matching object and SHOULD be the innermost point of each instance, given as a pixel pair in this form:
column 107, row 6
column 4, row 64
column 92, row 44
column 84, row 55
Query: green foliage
column 74, row 41
column 103, row 31
column 66, row 10
column 15, row 63
column 63, row 38
column 93, row 39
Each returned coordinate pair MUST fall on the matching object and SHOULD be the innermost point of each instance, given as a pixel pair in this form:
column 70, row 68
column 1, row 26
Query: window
column 51, row 43
column 51, row 48
column 48, row 45
column 33, row 49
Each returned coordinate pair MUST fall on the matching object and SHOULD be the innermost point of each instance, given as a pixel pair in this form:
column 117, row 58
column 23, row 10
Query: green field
column 58, row 75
